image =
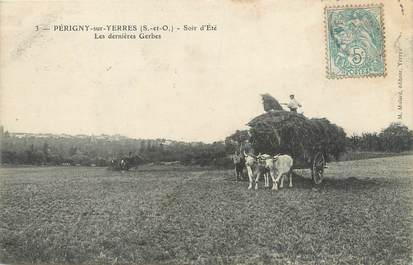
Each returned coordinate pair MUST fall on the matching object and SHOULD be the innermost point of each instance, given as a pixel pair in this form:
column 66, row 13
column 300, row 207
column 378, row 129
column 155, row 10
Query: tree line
column 89, row 150
column 395, row 138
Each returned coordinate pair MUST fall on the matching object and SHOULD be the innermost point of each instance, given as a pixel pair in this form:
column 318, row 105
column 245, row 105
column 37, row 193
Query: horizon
column 167, row 139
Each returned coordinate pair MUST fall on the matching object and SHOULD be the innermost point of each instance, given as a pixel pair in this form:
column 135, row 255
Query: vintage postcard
column 206, row 132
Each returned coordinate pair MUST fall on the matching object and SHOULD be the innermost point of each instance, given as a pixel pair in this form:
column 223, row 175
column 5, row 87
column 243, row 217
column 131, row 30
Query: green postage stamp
column 355, row 41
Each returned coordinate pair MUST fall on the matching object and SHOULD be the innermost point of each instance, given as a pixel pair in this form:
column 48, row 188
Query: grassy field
column 359, row 155
column 361, row 214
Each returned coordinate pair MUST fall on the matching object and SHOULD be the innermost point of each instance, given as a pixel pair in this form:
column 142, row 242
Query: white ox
column 282, row 168
column 253, row 168
column 277, row 167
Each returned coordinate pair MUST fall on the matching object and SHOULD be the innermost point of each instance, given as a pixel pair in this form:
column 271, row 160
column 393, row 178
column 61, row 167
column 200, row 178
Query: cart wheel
column 317, row 170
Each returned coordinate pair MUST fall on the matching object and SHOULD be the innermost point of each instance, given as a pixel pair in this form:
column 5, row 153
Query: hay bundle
column 270, row 103
column 281, row 131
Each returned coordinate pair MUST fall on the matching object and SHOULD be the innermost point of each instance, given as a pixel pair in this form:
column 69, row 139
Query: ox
column 277, row 167
column 255, row 168
column 282, row 167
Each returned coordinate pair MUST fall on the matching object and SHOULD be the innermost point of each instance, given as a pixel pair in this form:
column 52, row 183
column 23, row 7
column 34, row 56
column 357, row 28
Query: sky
column 191, row 86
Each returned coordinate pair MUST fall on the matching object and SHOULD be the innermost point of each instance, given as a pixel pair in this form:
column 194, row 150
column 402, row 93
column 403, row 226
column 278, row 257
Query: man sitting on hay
column 293, row 105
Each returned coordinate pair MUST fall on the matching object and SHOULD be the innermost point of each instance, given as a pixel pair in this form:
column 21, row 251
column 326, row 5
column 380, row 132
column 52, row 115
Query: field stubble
column 361, row 214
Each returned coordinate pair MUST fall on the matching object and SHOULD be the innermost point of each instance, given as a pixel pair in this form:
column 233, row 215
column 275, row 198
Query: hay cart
column 316, row 163
column 310, row 142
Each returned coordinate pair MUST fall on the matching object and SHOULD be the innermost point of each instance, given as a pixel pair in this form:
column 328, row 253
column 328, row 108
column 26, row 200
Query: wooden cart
column 316, row 163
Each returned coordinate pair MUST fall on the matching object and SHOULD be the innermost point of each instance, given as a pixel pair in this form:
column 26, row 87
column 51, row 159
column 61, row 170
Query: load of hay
column 270, row 103
column 280, row 131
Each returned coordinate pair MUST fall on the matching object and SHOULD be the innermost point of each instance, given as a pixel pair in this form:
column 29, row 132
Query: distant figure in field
column 246, row 148
column 293, row 105
column 239, row 163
